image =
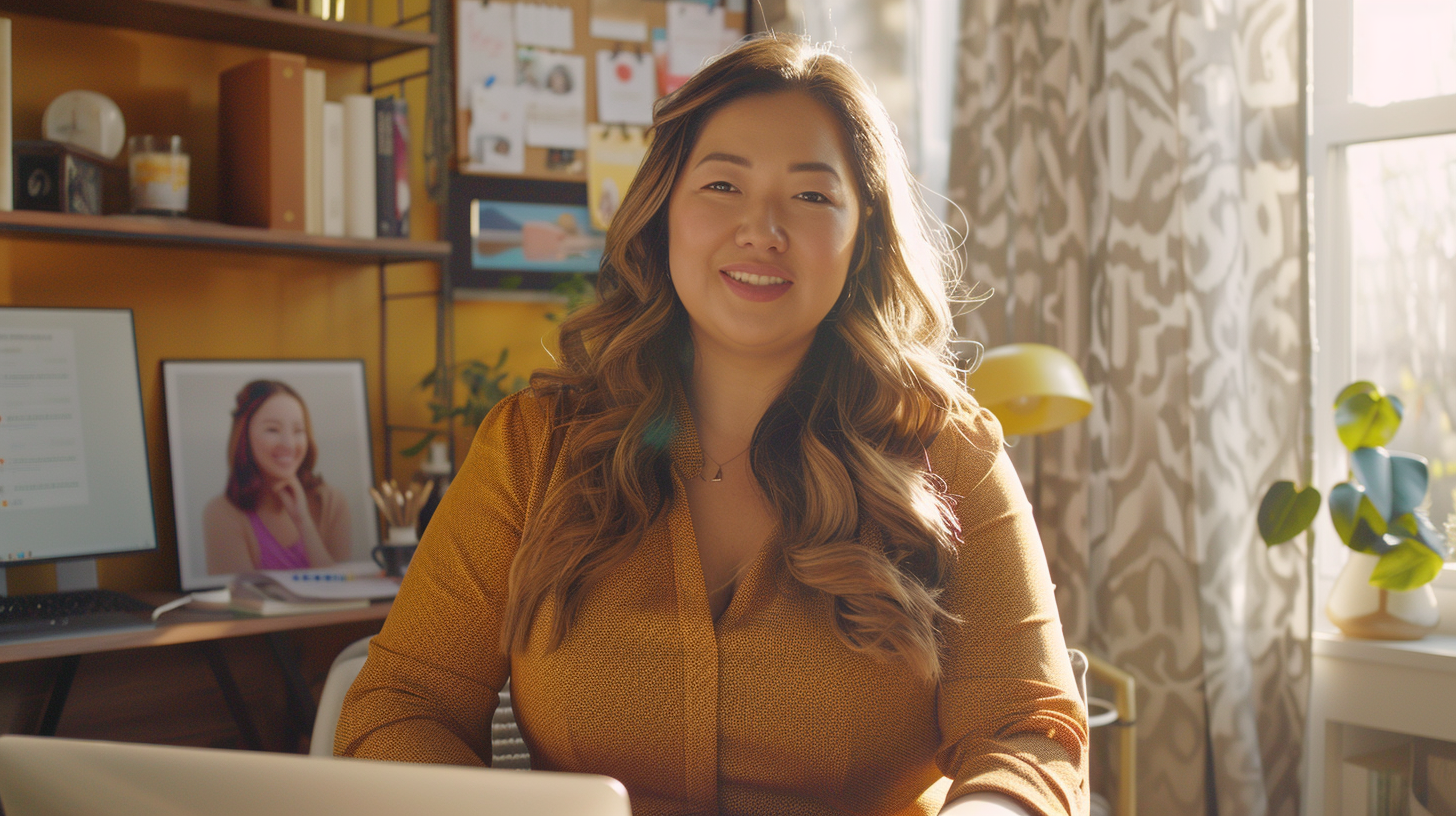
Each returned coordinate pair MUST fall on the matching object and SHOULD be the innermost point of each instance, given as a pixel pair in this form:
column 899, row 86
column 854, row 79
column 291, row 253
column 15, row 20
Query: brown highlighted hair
column 840, row 455
column 246, row 485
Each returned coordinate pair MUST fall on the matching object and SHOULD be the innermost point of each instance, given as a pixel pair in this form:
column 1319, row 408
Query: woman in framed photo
column 276, row 512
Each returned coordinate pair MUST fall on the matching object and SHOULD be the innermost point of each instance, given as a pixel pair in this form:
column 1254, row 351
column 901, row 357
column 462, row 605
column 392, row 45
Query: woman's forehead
column 787, row 130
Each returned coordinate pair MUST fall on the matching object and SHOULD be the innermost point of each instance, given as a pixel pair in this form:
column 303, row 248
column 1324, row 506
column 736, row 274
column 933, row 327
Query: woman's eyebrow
column 798, row 167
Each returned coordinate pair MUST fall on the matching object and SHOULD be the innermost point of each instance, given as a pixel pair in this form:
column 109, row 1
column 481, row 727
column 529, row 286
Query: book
column 261, row 143
column 313, row 151
column 391, row 166
column 333, row 169
column 360, row 196
column 7, row 184
column 1435, row 776
column 293, row 592
column 1377, row 783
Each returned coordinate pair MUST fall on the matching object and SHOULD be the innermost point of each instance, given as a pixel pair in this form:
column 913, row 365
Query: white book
column 7, row 185
column 333, row 168
column 313, row 151
column 360, row 197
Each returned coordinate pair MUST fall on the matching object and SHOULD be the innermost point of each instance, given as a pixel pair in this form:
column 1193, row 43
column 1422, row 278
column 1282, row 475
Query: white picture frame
column 201, row 397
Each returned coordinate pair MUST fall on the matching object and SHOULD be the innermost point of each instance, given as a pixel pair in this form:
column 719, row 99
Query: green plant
column 485, row 385
column 1377, row 510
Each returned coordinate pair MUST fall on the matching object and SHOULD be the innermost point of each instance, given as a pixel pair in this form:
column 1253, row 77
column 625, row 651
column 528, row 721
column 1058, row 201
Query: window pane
column 1403, row 282
column 1404, row 49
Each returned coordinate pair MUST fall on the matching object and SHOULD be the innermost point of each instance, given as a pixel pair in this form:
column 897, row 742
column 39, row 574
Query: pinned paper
column 667, row 82
column 554, row 86
column 497, row 130
column 694, row 35
column 626, row 87
column 614, row 153
column 545, row 26
column 486, row 55
column 620, row 20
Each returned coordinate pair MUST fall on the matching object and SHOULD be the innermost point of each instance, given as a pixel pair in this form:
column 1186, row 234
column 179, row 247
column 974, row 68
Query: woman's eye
column 815, row 198
column 720, row 186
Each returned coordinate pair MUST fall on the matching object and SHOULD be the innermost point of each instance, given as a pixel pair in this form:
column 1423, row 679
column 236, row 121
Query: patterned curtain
column 1128, row 174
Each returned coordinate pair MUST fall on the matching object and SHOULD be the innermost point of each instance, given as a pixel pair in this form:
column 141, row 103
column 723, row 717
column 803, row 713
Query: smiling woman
column 276, row 513
column 752, row 548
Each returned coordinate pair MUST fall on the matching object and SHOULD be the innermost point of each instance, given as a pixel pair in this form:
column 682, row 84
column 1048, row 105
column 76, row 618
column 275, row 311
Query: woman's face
column 278, row 437
column 762, row 224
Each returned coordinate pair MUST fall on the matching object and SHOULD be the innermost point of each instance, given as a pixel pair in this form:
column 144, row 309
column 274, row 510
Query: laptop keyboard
column 85, row 611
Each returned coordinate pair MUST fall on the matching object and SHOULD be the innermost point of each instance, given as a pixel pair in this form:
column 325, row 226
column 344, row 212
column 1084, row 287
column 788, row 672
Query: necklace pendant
column 718, row 477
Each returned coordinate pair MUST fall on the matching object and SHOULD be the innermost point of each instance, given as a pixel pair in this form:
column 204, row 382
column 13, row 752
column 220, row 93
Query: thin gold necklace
column 718, row 477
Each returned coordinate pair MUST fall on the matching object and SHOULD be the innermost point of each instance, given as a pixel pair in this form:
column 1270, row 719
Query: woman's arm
column 295, row 503
column 1011, row 717
column 434, row 673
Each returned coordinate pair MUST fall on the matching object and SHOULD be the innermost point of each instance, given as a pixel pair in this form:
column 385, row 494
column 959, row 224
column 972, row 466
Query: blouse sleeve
column 434, row 673
column 1011, row 718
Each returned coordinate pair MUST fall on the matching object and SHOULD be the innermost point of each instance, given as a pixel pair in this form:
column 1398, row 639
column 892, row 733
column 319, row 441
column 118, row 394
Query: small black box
column 57, row 177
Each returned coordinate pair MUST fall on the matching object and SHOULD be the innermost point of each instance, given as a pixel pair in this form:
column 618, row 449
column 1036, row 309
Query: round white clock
column 87, row 120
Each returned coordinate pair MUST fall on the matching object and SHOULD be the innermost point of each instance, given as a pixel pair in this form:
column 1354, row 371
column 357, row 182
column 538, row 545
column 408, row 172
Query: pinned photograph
column 515, row 236
column 271, row 466
column 554, row 86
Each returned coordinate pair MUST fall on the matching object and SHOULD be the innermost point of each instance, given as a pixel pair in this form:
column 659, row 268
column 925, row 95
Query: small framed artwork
column 271, row 465
column 520, row 233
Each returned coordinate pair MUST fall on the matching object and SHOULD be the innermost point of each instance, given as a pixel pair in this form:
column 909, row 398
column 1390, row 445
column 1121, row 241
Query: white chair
column 508, row 747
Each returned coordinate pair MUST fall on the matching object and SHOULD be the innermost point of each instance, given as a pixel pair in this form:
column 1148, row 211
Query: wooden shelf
column 237, row 22
column 162, row 231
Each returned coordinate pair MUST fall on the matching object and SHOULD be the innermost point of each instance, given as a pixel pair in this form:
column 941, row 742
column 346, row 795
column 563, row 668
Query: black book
column 391, row 176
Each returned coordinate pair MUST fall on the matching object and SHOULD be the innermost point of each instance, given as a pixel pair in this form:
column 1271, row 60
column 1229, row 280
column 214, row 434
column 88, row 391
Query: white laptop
column 46, row 776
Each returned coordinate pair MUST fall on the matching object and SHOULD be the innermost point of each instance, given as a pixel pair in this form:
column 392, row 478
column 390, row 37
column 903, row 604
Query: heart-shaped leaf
column 1286, row 512
column 1406, row 566
column 1349, row 509
column 1365, row 417
column 1409, row 478
column 1431, row 537
column 1372, row 468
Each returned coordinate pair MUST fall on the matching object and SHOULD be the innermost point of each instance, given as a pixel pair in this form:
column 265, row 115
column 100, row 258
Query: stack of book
column 290, row 159
column 1417, row 778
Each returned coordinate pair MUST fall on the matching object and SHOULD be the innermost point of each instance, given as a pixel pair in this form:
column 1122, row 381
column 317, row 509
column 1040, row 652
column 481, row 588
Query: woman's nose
column 761, row 228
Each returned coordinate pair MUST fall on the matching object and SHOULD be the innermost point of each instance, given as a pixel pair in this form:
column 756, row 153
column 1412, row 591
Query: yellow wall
column 193, row 303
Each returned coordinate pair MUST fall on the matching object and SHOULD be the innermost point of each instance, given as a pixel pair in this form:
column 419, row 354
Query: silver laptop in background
column 46, row 776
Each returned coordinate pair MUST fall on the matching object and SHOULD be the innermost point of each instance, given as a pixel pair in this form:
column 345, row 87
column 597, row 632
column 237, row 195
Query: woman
column 276, row 513
column 751, row 548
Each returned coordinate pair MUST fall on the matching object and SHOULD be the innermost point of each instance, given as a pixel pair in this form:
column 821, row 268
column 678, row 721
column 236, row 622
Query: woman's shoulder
column 221, row 509
column 967, row 446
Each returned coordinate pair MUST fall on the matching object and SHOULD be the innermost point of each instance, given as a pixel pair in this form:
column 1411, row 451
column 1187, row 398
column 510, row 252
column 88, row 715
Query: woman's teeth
column 756, row 280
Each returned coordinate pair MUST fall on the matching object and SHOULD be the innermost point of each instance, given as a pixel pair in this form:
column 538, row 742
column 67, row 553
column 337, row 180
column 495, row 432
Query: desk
column 203, row 628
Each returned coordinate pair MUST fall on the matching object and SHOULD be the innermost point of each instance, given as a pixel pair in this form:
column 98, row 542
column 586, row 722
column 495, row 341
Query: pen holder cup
column 393, row 556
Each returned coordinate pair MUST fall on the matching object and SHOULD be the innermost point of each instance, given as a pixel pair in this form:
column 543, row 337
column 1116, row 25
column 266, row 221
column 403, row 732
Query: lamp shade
column 1032, row 388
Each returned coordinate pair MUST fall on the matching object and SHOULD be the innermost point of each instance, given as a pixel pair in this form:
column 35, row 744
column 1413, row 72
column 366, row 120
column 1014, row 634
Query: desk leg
column 60, row 689
column 230, row 694
column 300, row 698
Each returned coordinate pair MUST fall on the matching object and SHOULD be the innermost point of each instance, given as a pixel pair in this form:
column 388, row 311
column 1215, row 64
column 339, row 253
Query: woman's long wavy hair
column 840, row 455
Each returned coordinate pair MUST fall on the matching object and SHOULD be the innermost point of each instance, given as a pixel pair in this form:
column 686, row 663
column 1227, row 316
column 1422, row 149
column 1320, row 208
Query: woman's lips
column 755, row 283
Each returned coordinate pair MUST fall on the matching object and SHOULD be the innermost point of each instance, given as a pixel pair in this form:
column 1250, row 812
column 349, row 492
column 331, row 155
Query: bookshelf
column 183, row 232
column 238, row 23
column 1378, row 712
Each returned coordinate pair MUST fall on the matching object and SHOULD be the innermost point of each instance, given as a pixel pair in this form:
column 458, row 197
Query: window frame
column 1336, row 123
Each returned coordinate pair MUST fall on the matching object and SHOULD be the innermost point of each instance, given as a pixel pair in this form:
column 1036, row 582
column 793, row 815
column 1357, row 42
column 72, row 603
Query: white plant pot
column 1363, row 611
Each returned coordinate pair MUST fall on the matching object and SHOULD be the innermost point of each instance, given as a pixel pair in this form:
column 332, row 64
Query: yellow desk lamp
column 1031, row 387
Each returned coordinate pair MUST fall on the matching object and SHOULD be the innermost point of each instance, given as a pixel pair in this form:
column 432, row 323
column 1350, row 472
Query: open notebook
column 46, row 776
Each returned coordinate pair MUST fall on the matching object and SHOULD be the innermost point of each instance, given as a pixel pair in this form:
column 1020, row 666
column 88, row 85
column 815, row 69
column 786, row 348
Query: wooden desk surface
column 184, row 626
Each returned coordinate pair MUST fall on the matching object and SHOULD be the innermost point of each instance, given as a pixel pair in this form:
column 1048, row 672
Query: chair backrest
column 341, row 676
column 47, row 776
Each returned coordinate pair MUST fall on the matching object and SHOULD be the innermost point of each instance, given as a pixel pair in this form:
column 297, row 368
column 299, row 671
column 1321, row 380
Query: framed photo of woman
column 271, row 465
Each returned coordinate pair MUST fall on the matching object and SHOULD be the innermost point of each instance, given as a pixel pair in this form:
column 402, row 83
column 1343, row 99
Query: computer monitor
column 46, row 776
column 74, row 481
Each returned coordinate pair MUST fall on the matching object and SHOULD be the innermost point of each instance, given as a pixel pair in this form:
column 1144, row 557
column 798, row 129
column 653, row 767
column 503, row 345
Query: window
column 1382, row 157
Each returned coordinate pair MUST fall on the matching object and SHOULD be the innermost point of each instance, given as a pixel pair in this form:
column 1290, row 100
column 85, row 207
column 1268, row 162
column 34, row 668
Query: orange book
column 261, row 143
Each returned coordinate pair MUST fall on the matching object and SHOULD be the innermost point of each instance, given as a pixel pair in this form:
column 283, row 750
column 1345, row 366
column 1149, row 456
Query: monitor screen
column 73, row 451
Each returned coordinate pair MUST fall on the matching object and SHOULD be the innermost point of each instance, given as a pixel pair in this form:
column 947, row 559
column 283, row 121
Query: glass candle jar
column 159, row 174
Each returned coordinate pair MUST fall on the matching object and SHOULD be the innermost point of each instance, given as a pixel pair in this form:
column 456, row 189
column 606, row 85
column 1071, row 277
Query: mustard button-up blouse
column 766, row 713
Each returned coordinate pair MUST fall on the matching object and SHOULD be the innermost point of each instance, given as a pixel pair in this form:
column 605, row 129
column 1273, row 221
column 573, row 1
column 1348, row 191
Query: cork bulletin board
column 555, row 164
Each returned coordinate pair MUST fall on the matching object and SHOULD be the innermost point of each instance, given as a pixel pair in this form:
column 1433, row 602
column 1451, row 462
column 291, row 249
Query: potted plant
column 1382, row 591
column 485, row 385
